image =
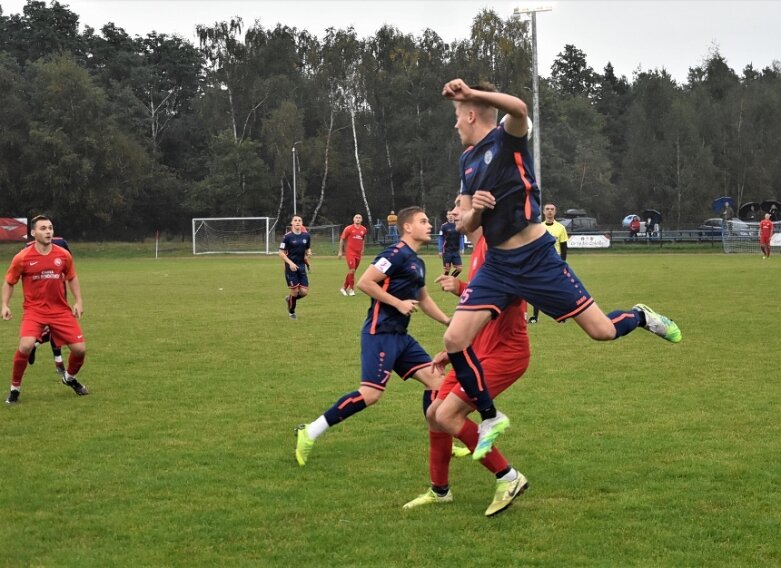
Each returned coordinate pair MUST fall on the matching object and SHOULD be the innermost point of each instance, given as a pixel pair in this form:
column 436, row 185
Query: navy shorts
column 452, row 258
column 384, row 353
column 533, row 272
column 297, row 278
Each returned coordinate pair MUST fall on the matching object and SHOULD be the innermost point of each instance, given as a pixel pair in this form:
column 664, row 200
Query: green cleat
column 506, row 491
column 303, row 444
column 660, row 325
column 460, row 451
column 488, row 433
column 428, row 498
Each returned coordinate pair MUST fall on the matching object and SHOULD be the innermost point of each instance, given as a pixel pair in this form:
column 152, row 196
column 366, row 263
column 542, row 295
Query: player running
column 354, row 235
column 503, row 349
column 499, row 193
column 396, row 283
column 295, row 250
column 43, row 269
column 451, row 246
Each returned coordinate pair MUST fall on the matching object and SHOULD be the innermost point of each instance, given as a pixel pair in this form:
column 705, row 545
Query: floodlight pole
column 294, row 175
column 535, row 89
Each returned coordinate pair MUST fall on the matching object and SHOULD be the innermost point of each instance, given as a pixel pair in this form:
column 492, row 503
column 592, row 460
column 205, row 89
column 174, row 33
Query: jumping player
column 295, row 250
column 354, row 236
column 396, row 283
column 43, row 268
column 765, row 234
column 499, row 193
column 503, row 349
column 451, row 246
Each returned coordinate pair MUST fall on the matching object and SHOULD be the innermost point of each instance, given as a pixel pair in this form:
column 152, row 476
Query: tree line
column 117, row 137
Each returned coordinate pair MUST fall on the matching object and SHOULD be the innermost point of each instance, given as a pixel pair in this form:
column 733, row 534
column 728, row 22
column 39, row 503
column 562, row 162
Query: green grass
column 639, row 452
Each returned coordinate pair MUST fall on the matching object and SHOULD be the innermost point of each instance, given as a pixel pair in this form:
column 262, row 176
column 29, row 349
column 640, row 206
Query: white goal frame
column 243, row 239
column 743, row 237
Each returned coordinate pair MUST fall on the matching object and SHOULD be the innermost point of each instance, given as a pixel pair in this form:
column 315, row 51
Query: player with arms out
column 499, row 193
column 765, row 234
column 502, row 347
column 354, row 235
column 44, row 269
column 295, row 251
column 396, row 283
column 451, row 246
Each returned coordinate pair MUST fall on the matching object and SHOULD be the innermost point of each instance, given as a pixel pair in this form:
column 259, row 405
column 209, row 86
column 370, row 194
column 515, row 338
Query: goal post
column 743, row 237
column 232, row 235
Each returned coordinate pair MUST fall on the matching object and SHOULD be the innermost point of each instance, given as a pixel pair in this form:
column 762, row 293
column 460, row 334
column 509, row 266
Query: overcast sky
column 674, row 35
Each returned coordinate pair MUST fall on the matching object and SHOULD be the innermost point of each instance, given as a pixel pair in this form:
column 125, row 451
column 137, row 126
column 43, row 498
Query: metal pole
column 535, row 91
column 536, row 105
column 294, row 180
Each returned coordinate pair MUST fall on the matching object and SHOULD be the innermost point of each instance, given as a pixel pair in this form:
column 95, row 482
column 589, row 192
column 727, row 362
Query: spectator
column 634, row 227
column 392, row 231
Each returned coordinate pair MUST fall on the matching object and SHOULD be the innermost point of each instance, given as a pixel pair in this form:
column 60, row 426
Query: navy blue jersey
column 450, row 240
column 405, row 275
column 502, row 164
column 295, row 246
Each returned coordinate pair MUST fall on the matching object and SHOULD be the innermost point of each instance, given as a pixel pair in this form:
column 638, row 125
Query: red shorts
column 353, row 260
column 500, row 370
column 64, row 327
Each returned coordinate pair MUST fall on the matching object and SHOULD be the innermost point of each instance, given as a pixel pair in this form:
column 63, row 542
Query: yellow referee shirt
column 558, row 232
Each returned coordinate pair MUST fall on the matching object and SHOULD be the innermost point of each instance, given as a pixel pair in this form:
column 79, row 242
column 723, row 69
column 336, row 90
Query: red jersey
column 507, row 333
column 43, row 278
column 354, row 237
column 765, row 230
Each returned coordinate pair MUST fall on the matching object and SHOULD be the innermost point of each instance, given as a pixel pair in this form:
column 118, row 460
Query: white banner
column 588, row 241
column 775, row 240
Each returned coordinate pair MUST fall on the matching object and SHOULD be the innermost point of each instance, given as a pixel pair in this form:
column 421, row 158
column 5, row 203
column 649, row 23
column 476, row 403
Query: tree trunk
column 325, row 169
column 358, row 164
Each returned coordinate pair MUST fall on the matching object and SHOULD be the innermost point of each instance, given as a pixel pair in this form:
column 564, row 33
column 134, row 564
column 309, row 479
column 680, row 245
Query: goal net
column 232, row 235
column 743, row 236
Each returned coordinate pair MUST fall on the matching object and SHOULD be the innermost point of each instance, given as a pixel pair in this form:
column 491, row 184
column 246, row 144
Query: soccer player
column 43, row 269
column 503, row 349
column 46, row 336
column 451, row 245
column 354, row 235
column 558, row 232
column 499, row 193
column 396, row 283
column 295, row 250
column 765, row 233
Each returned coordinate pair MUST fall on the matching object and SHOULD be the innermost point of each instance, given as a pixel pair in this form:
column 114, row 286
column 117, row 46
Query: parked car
column 580, row 225
column 714, row 227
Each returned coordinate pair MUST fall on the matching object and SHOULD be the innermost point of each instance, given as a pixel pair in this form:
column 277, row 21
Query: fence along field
column 638, row 452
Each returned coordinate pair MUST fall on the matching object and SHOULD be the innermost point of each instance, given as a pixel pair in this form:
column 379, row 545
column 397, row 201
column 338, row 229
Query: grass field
column 639, row 453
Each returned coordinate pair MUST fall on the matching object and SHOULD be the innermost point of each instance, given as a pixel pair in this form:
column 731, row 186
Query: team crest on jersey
column 488, row 156
column 57, row 262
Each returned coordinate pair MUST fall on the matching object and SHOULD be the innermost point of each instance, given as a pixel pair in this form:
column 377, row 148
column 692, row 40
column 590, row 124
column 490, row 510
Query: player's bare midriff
column 529, row 234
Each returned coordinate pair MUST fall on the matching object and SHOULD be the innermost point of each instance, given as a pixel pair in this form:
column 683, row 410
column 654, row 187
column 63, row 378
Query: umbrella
column 749, row 211
column 653, row 214
column 721, row 203
column 628, row 219
column 772, row 207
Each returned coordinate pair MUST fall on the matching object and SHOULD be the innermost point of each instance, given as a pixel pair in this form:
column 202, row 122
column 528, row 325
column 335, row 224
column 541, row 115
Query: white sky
column 631, row 34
